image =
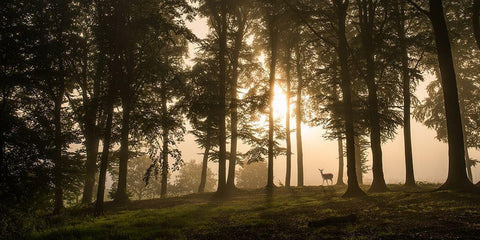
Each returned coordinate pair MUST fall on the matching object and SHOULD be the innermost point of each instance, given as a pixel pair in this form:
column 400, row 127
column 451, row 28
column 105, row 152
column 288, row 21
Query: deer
column 326, row 176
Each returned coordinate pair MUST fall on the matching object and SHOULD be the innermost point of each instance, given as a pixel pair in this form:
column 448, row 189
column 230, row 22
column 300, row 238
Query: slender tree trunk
column 233, row 109
column 105, row 152
column 221, row 98
column 399, row 9
column 340, row 161
column 287, row 119
column 121, row 194
column 476, row 21
column 273, row 63
column 457, row 177
column 203, row 178
column 164, row 155
column 358, row 160
column 58, row 169
column 298, row 118
column 353, row 189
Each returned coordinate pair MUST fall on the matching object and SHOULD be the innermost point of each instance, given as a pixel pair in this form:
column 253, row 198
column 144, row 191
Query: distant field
column 295, row 213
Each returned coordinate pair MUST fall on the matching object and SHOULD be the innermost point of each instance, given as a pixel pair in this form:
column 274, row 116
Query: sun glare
column 279, row 104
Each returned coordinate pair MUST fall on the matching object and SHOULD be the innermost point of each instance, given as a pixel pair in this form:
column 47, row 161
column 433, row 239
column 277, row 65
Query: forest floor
column 295, row 213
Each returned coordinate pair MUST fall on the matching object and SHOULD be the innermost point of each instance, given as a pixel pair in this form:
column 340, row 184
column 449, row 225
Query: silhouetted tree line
column 88, row 85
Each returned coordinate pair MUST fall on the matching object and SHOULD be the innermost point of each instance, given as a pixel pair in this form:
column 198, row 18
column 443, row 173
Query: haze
column 430, row 156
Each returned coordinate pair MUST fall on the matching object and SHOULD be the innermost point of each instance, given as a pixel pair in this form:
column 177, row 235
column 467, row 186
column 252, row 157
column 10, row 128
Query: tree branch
column 420, row 9
column 308, row 24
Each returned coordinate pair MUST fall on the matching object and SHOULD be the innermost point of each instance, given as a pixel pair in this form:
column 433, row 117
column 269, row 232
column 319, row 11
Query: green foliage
column 188, row 179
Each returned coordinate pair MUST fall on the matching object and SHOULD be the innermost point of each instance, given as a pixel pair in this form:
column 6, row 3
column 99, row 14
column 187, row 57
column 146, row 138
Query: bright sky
column 430, row 156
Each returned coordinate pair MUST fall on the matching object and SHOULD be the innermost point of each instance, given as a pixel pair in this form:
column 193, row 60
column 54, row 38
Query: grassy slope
column 285, row 215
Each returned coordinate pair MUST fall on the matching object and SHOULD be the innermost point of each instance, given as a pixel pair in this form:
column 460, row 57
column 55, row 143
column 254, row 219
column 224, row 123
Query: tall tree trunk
column 476, row 21
column 273, row 63
column 221, row 98
column 164, row 155
column 91, row 142
column 58, row 168
column 358, row 160
column 287, row 118
column 233, row 107
column 298, row 118
column 125, row 61
column 121, row 194
column 353, row 190
column 103, row 38
column 367, row 21
column 89, row 122
column 340, row 161
column 105, row 152
column 203, row 178
column 457, row 177
column 399, row 8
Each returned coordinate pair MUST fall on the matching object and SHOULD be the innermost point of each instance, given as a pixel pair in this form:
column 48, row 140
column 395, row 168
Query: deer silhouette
column 326, row 176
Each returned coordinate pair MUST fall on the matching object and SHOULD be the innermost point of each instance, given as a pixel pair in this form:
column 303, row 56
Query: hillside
column 296, row 213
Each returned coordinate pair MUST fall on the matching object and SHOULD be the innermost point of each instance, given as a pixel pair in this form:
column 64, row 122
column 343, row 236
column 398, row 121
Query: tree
column 135, row 181
column 201, row 108
column 340, row 8
column 202, row 103
column 252, row 176
column 241, row 18
column 367, row 18
column 399, row 13
column 166, row 91
column 217, row 12
column 271, row 9
column 476, row 21
column 457, row 177
column 106, row 34
column 188, row 178
column 89, row 81
column 298, row 117
column 287, row 47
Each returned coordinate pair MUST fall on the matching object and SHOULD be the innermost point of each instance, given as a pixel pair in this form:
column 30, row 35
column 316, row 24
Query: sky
column 429, row 155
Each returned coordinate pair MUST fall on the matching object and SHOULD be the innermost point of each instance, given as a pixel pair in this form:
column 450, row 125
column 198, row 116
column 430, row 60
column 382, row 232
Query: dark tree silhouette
column 399, row 13
column 476, row 21
column 341, row 6
column 298, row 117
column 241, row 17
column 367, row 17
column 271, row 18
column 457, row 178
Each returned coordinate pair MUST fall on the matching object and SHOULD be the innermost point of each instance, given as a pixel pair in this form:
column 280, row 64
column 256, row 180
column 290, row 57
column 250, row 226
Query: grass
column 254, row 214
